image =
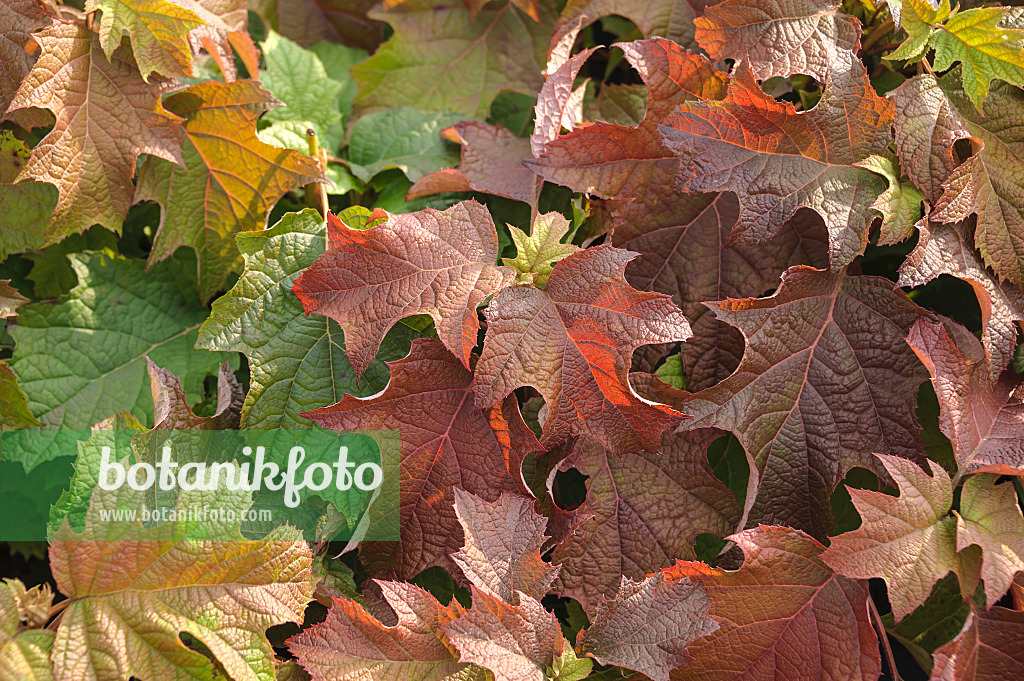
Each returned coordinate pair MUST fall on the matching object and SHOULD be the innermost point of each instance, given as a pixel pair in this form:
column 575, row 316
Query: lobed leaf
column 777, row 160
column 786, row 610
column 432, row 262
column 229, row 182
column 573, row 341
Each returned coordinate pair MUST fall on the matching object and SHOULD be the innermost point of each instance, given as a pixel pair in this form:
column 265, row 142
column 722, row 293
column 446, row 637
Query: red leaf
column 990, row 647
column 983, row 419
column 784, row 615
column 439, row 263
column 573, row 341
column 823, row 384
column 777, row 160
column 647, row 510
column 446, row 442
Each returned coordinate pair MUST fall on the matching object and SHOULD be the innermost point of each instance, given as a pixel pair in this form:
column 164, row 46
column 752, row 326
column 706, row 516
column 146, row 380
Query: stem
column 58, row 608
column 884, row 638
column 879, row 32
column 320, row 156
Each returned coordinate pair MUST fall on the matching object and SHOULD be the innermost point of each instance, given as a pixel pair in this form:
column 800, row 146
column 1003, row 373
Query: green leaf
column 673, row 372
column 25, row 208
column 158, row 30
column 987, row 49
column 568, row 667
column 337, row 60
column 935, row 623
column 14, row 411
column 298, row 363
column 444, row 57
column 404, row 138
column 52, row 274
column 537, row 253
column 116, row 433
column 298, row 78
column 82, row 359
column 918, row 19
column 900, row 204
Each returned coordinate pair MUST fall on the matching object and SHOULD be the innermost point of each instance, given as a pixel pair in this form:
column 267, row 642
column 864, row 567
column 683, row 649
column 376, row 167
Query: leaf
column 918, row 23
column 516, row 642
column 906, row 540
column 353, row 645
column 987, row 184
column 618, row 162
column 441, row 58
column 19, row 19
column 777, row 160
column 647, row 511
column 92, row 168
column 792, row 617
column 337, row 60
column 685, row 254
column 83, row 359
column 570, row 668
column 171, row 406
column 225, row 28
column 73, row 503
column 297, row 362
column 403, row 138
column 779, row 38
column 134, row 590
column 229, row 183
column 573, row 342
column 935, row 623
column 900, row 204
column 14, row 409
column 946, row 249
column 990, row 517
column 24, row 207
column 990, row 647
column 429, row 262
column 501, row 554
column 926, row 126
column 647, row 626
column 24, row 651
column 10, row 299
column 446, row 442
column 670, row 19
column 814, row 395
column 158, row 30
column 298, row 78
column 492, row 163
column 308, row 21
column 981, row 417
column 624, row 104
column 537, row 253
column 985, row 47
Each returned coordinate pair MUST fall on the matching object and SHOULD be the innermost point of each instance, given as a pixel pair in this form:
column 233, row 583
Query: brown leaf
column 685, row 254
column 947, row 249
column 907, row 540
column 573, row 341
column 492, row 163
column 814, row 395
column 432, row 262
column 515, row 642
column 647, row 626
column 670, row 19
column 19, row 19
column 229, row 183
column 990, row 517
column 990, row 647
column 501, row 554
column 983, row 418
column 352, row 645
column 779, row 38
column 647, row 509
column 106, row 116
column 446, row 442
column 778, row 160
column 307, row 21
column 792, row 617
